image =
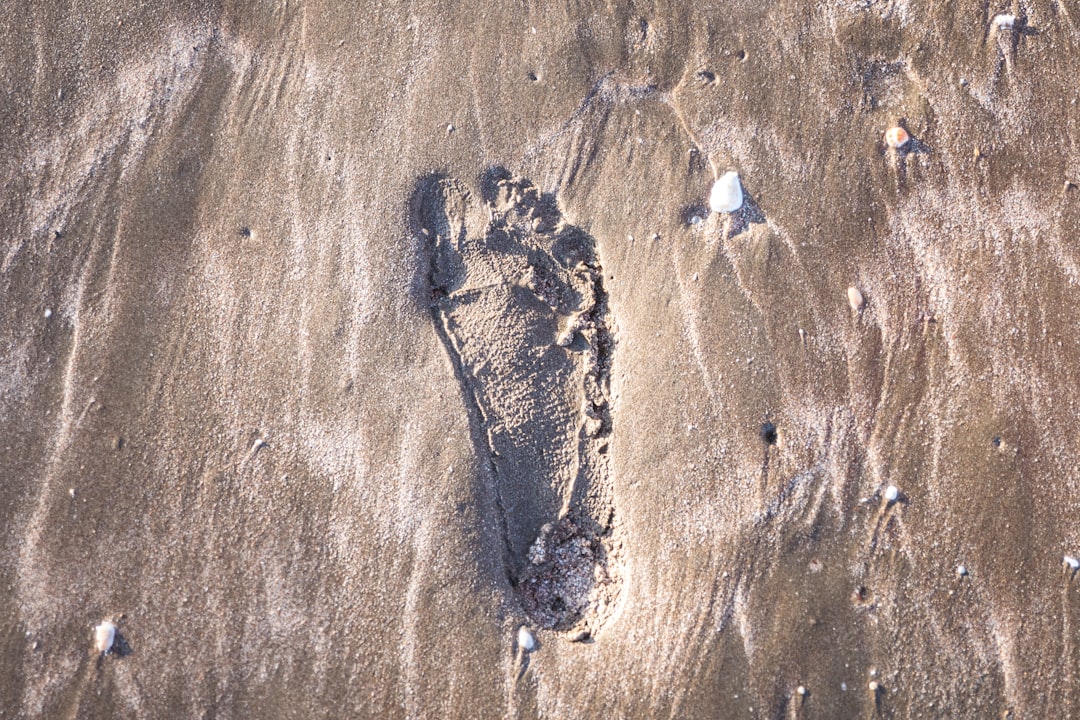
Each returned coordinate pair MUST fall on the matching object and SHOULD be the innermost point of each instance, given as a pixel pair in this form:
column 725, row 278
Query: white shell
column 726, row 195
column 1072, row 562
column 525, row 639
column 855, row 298
column 1004, row 22
column 892, row 493
column 104, row 635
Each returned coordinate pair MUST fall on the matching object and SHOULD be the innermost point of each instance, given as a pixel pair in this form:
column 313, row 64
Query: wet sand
column 341, row 342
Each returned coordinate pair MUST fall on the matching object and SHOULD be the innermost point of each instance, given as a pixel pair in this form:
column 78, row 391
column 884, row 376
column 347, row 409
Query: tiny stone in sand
column 104, row 635
column 855, row 298
column 525, row 639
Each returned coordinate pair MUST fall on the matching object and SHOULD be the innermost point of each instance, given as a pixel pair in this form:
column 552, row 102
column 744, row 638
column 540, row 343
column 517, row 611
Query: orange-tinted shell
column 896, row 137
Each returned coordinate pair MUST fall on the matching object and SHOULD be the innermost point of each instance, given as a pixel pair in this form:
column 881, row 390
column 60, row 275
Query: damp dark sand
column 339, row 341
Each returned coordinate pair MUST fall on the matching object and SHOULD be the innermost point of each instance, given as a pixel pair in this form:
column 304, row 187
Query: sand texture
column 339, row 341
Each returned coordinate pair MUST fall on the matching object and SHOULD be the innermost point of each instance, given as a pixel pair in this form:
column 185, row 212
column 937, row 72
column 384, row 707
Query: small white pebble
column 259, row 444
column 525, row 639
column 855, row 298
column 843, row 687
column 892, row 493
column 962, row 570
column 801, row 691
column 1072, row 563
column 1004, row 22
column 71, row 492
column 727, row 194
column 449, row 129
column 48, row 313
column 104, row 635
column 695, row 220
column 873, row 686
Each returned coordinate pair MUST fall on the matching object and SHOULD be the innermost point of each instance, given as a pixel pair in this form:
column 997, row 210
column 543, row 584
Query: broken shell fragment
column 855, row 298
column 727, row 194
column 897, row 137
column 1071, row 563
column 525, row 639
column 104, row 635
column 581, row 636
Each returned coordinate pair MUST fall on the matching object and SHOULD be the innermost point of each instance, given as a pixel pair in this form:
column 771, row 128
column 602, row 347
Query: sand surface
column 340, row 341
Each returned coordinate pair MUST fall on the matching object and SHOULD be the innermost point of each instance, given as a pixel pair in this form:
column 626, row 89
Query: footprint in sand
column 519, row 302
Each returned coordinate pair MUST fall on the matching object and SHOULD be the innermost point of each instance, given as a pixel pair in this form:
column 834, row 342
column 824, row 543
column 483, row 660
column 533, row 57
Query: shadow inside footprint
column 518, row 300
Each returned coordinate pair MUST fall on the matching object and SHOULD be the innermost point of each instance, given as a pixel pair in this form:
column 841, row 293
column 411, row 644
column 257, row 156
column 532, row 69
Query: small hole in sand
column 245, row 232
column 693, row 215
column 768, row 433
column 996, row 441
column 533, row 76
